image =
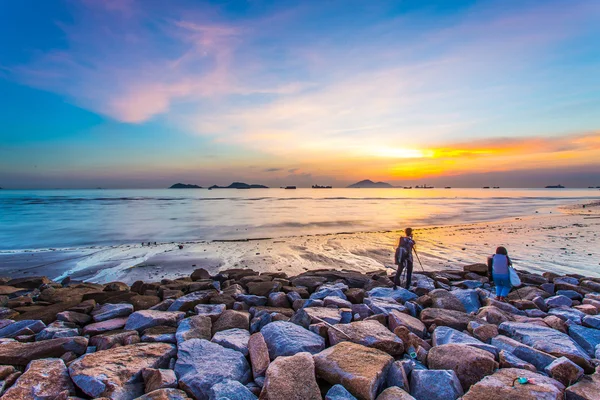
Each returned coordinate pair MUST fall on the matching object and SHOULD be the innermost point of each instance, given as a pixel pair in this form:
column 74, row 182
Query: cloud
column 273, row 169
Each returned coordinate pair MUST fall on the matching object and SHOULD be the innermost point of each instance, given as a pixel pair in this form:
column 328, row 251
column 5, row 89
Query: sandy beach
column 567, row 242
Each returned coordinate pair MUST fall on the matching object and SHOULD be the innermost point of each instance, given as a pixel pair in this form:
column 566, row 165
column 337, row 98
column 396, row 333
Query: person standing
column 404, row 258
column 498, row 272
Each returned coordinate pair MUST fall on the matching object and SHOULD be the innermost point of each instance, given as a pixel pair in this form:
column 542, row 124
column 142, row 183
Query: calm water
column 34, row 219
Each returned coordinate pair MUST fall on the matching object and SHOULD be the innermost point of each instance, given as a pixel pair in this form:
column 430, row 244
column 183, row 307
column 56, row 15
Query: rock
column 104, row 326
column 367, row 333
column 397, row 376
column 413, row 324
column 384, row 305
column 199, row 274
column 108, row 340
column 25, row 327
column 8, row 313
column 547, row 340
column 469, row 363
column 235, row 339
column 116, row 373
column 565, row 371
column 566, row 314
column 313, row 315
column 259, row 354
column 286, row 339
column 480, row 268
column 355, row 295
column 228, row 389
column 16, row 353
column 252, row 300
column 434, row 385
column 440, row 317
column 338, row 392
column 145, row 319
column 494, row 315
column 264, row 288
column 116, row 287
column 484, row 332
column 587, row 338
column 189, row 301
column 201, row 364
column 213, row 311
column 32, row 282
column 443, row 299
column 399, row 294
column 291, row 377
column 155, row 379
column 165, row 334
column 164, row 394
column 586, row 389
column 502, row 385
column 446, row 335
column 195, row 327
column 111, row 311
column 336, row 302
column 555, row 323
column 591, row 322
column 232, row 319
column 509, row 360
column 527, row 293
column 144, row 302
column 43, row 379
column 469, row 299
column 394, row 393
column 361, row 370
column 587, row 309
column 571, row 294
column 329, row 291
column 58, row 329
column 539, row 359
column 310, row 282
column 74, row 317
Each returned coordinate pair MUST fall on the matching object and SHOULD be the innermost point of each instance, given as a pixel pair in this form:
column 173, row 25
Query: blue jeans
column 503, row 286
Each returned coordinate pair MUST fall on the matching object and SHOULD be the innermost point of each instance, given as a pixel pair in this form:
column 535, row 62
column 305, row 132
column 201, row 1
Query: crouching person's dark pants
column 406, row 262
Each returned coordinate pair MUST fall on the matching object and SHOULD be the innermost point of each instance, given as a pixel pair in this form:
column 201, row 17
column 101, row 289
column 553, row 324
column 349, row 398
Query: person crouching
column 498, row 272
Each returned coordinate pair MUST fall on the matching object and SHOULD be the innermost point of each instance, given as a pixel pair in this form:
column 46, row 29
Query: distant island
column 555, row 187
column 185, row 186
column 239, row 185
column 368, row 184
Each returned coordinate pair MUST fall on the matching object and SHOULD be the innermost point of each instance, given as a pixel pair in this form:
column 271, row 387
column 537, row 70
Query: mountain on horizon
column 368, row 184
column 240, row 185
column 185, row 186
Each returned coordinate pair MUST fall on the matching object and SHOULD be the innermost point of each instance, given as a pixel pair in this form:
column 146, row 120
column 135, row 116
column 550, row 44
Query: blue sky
column 126, row 93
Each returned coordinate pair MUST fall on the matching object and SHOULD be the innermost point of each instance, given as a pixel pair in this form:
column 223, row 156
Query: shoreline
column 528, row 238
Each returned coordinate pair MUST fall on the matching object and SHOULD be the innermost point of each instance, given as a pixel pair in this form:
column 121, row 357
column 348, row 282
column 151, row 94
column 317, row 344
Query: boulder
column 313, row 315
column 397, row 376
column 443, row 299
column 164, row 394
column 587, row 338
column 32, row 282
column 338, row 392
column 494, row 315
column 16, row 353
column 503, row 385
column 399, row 294
column 213, row 311
column 591, row 322
column 547, row 340
column 291, row 377
column 479, row 268
column 567, row 314
column 110, row 311
column 565, row 371
column 189, row 301
column 232, row 319
column 434, row 385
column 155, row 379
column 228, row 389
column 451, row 318
column 108, row 340
column 104, row 326
column 141, row 320
column 195, row 327
column 252, row 300
column 539, row 359
column 384, row 305
column 469, row 363
column 199, row 274
column 360, row 369
column 263, row 288
column 558, row 301
column 396, row 319
column 586, row 389
column 58, row 329
column 235, row 339
column 201, row 364
column 394, row 393
column 259, row 354
column 509, row 360
column 368, row 333
column 24, row 327
column 527, row 293
column 445, row 335
column 74, row 317
column 286, row 339
column 44, row 379
column 117, row 373
column 469, row 299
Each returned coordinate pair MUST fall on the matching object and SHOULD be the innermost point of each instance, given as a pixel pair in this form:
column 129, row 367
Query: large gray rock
column 587, row 338
column 440, row 317
column 469, row 299
column 286, row 339
column 568, row 314
column 399, row 294
column 230, row 390
column 547, row 340
column 590, row 321
column 539, row 359
column 44, row 379
column 314, row 315
column 558, row 301
column 145, row 319
column 213, row 311
column 446, row 335
column 202, row 364
column 435, row 385
column 338, row 392
column 24, row 327
column 368, row 333
column 235, row 339
column 189, row 301
column 381, row 305
column 58, row 329
column 502, row 385
column 291, row 378
column 195, row 327
column 443, row 299
column 565, row 371
column 117, row 373
column 164, row 394
column 396, row 319
column 110, row 311
column 104, row 326
column 17, row 353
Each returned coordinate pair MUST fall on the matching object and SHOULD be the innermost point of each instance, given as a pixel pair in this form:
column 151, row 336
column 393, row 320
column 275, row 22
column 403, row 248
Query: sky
column 145, row 93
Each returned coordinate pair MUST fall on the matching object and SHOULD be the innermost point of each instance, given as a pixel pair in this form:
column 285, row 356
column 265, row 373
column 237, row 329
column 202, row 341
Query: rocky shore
column 326, row 334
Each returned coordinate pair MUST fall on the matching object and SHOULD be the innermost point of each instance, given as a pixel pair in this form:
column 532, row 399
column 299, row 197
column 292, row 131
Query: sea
column 59, row 219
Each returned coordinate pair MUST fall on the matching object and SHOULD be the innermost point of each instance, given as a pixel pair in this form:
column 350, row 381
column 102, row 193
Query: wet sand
column 568, row 242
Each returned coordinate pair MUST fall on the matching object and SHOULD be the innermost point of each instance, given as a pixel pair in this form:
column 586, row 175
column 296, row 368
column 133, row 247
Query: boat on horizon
column 448, row 187
column 290, row 187
column 321, row 187
column 554, row 187
column 423, row 187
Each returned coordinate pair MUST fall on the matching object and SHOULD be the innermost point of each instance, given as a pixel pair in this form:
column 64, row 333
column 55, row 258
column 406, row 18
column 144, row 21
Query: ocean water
column 41, row 219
